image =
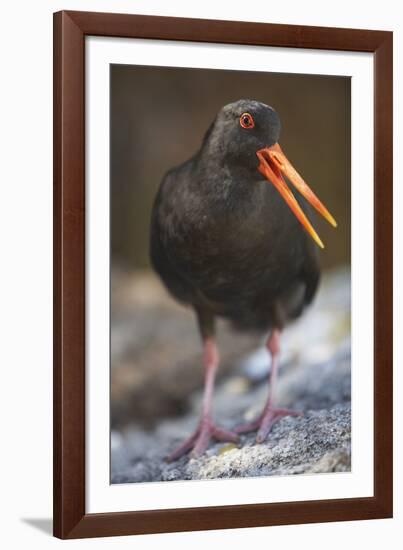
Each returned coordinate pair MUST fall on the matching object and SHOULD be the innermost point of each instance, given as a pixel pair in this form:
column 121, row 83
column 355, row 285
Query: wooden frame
column 70, row 518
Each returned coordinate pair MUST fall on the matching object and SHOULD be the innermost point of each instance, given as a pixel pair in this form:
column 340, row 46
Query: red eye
column 246, row 121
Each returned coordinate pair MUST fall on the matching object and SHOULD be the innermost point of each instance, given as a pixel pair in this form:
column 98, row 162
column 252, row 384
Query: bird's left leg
column 270, row 413
column 206, row 430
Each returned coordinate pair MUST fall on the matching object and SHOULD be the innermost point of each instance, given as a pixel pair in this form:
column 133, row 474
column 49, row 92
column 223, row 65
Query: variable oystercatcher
column 229, row 238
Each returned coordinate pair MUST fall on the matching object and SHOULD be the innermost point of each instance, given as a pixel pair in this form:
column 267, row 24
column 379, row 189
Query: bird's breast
column 232, row 249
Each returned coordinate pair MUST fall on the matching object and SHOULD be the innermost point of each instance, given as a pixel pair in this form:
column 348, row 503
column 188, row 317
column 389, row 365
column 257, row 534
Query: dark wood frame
column 70, row 517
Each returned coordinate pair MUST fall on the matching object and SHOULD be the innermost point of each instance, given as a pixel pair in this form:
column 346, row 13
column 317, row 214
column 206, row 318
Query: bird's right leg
column 206, row 430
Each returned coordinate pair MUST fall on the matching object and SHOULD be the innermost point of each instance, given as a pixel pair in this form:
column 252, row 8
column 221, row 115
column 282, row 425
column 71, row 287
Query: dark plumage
column 224, row 240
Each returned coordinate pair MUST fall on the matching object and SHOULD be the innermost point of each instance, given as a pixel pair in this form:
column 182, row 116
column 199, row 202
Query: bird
column 229, row 239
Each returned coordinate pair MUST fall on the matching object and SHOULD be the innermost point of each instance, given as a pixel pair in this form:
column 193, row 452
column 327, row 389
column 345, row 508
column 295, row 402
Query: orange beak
column 273, row 165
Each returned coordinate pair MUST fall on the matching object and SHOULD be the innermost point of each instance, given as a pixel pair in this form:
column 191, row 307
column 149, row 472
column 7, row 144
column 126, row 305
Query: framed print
column 222, row 272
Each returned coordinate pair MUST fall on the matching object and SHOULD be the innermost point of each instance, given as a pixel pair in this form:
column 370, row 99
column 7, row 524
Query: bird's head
column 245, row 136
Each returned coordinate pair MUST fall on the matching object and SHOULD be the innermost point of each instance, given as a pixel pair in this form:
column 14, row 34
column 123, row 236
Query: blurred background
column 158, row 119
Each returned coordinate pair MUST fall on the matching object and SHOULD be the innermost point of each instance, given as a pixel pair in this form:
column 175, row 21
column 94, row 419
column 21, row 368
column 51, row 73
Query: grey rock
column 315, row 443
column 314, row 378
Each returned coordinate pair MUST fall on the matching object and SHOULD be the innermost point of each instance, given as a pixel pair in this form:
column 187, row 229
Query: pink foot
column 200, row 439
column 265, row 421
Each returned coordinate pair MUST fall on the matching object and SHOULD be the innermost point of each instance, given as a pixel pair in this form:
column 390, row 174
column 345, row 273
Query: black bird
column 228, row 238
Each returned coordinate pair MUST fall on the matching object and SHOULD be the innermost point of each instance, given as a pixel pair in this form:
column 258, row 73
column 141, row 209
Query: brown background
column 158, row 119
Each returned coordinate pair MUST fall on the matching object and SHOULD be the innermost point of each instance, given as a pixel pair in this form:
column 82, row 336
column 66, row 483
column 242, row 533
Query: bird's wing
column 172, row 278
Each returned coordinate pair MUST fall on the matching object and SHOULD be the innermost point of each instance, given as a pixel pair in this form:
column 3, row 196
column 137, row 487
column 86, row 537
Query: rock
column 314, row 378
column 317, row 442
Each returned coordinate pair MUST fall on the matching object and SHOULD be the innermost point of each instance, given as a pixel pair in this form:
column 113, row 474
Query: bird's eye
column 246, row 120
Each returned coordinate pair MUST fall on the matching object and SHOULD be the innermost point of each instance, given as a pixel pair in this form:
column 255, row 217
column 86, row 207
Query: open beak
column 274, row 165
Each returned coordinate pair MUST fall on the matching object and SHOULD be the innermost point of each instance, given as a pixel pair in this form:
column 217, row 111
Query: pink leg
column 200, row 439
column 270, row 414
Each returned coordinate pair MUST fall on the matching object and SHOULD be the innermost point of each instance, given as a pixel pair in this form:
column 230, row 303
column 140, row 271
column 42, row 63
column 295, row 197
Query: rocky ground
column 157, row 377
